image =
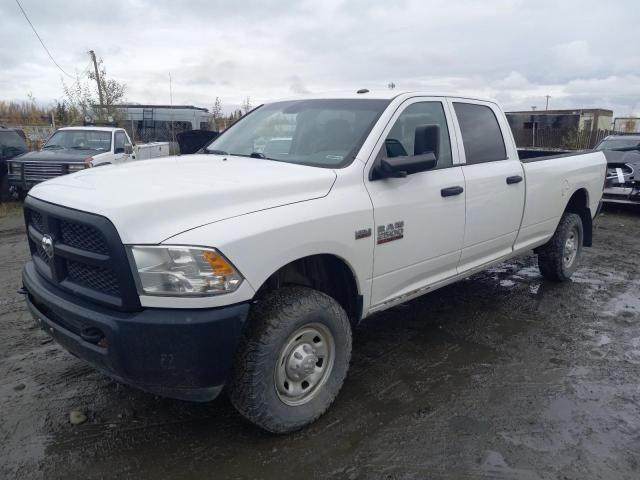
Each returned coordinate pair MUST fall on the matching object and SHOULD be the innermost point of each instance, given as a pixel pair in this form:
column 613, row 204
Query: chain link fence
column 549, row 138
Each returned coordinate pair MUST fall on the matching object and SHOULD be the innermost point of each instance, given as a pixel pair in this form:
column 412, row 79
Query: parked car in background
column 72, row 149
column 250, row 269
column 623, row 168
column 12, row 144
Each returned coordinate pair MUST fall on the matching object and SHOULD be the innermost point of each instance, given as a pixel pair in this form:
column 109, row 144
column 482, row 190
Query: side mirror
column 128, row 148
column 397, row 167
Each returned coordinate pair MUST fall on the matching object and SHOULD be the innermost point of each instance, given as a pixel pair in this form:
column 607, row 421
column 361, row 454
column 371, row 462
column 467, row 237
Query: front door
column 419, row 219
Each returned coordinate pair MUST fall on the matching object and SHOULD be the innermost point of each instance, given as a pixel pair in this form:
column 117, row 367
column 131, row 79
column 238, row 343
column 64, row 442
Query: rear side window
column 481, row 134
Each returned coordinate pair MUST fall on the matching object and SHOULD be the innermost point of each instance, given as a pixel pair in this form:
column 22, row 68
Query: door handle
column 451, row 191
column 514, row 179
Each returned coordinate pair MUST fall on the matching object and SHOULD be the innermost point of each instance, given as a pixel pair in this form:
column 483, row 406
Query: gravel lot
column 499, row 376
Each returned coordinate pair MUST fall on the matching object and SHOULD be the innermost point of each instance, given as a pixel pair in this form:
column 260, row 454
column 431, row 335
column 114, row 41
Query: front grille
column 43, row 256
column 88, row 260
column 43, row 170
column 95, row 278
column 83, row 237
column 37, row 221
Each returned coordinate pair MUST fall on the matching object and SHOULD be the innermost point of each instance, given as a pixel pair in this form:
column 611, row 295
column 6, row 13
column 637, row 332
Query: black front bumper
column 178, row 353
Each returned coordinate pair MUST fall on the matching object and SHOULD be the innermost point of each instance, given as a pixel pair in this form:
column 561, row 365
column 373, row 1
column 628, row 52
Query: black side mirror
column 397, row 167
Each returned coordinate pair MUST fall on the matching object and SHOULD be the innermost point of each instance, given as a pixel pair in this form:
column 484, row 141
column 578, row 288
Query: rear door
column 419, row 219
column 494, row 181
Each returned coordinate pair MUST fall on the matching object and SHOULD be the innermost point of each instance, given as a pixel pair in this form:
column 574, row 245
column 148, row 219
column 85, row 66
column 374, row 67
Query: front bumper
column 177, row 353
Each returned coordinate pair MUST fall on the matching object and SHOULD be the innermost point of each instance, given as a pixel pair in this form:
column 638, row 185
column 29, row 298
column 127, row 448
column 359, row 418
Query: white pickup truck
column 71, row 149
column 234, row 268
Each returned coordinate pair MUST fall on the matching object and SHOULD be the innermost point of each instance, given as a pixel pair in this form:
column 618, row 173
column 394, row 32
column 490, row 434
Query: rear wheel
column 560, row 256
column 293, row 359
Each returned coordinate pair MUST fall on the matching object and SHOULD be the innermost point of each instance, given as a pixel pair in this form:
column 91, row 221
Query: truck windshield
column 323, row 133
column 80, row 140
column 614, row 143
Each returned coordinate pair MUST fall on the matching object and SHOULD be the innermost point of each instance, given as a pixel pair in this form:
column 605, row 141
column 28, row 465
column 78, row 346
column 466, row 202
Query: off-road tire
column 551, row 254
column 272, row 320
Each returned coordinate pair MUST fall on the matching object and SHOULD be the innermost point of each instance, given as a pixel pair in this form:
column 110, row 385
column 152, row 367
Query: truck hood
column 150, row 201
column 57, row 155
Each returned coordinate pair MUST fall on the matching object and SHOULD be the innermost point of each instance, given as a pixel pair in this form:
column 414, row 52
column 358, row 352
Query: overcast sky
column 583, row 53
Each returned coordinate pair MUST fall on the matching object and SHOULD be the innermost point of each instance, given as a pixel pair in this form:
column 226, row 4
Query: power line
column 41, row 42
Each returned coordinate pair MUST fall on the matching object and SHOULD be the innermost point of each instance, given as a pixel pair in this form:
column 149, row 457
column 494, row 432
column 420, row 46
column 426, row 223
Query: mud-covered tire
column 556, row 260
column 272, row 323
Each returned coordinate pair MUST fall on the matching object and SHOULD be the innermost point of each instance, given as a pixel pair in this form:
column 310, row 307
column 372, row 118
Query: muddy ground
column 502, row 375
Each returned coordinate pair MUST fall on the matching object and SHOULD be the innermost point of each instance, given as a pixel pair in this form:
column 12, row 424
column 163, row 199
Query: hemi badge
column 364, row 233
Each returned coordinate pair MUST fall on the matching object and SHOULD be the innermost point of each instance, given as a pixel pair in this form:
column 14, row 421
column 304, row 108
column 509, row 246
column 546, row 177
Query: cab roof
column 105, row 129
column 381, row 95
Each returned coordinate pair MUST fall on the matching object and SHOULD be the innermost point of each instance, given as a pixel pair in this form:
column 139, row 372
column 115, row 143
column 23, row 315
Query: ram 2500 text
column 248, row 266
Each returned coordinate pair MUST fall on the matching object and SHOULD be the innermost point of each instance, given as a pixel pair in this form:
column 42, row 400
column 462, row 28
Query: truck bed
column 550, row 181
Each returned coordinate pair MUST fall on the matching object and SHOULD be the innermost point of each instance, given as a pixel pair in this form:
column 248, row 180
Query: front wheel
column 293, row 359
column 560, row 256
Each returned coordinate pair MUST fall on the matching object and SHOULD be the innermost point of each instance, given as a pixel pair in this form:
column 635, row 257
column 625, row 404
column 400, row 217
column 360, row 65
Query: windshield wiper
column 52, row 146
column 626, row 149
column 251, row 155
column 81, row 148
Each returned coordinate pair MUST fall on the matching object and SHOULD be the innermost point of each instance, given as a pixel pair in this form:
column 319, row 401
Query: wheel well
column 326, row 273
column 579, row 204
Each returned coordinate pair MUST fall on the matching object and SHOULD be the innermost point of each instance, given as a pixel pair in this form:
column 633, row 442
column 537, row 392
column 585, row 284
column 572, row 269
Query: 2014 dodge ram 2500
column 248, row 267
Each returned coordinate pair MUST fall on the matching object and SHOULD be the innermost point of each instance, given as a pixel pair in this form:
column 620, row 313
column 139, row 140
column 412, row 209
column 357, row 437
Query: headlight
column 188, row 271
column 76, row 167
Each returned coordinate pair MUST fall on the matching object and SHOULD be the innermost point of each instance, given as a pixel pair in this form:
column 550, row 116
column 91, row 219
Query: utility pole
column 548, row 97
column 95, row 67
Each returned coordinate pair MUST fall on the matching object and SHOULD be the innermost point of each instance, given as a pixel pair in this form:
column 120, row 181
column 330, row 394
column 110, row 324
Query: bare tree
column 246, row 105
column 216, row 113
column 81, row 95
column 113, row 92
column 78, row 99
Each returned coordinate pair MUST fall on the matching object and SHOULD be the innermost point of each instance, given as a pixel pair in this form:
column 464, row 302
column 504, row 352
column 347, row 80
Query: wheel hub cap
column 570, row 249
column 304, row 364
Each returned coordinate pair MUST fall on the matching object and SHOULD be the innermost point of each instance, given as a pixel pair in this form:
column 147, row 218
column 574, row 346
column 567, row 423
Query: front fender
column 260, row 243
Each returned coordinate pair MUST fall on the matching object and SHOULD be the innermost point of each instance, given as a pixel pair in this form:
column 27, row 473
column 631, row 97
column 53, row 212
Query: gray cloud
column 581, row 52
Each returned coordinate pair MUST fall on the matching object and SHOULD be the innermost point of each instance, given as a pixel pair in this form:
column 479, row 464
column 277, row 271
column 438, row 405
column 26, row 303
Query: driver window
column 421, row 128
column 120, row 141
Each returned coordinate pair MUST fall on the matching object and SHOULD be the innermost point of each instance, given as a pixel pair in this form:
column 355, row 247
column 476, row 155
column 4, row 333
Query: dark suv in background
column 12, row 144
